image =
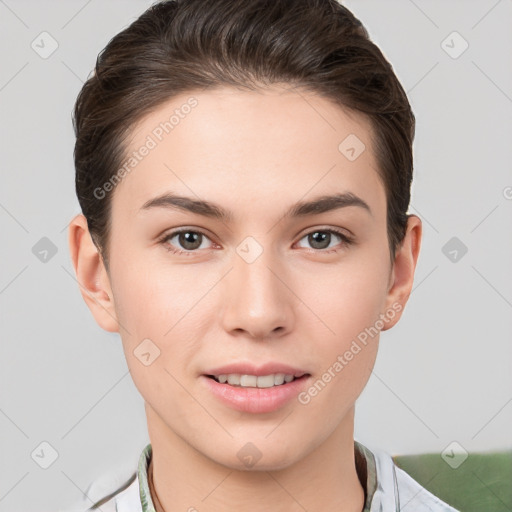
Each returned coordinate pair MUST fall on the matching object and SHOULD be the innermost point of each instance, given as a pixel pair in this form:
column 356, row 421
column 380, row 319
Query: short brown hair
column 177, row 46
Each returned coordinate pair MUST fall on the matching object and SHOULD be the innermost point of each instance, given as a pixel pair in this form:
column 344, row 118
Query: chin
column 262, row 455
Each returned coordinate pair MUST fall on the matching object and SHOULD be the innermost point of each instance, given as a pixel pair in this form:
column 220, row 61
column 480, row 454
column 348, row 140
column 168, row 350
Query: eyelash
column 346, row 240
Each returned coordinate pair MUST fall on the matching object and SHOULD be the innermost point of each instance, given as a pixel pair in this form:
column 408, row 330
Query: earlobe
column 402, row 274
column 91, row 274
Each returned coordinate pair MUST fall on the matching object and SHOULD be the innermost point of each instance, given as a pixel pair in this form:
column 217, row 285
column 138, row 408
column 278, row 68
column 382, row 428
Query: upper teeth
column 253, row 381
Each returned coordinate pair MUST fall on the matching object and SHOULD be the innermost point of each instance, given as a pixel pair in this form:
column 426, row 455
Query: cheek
column 346, row 352
column 158, row 319
column 350, row 310
column 162, row 304
column 151, row 298
column 349, row 298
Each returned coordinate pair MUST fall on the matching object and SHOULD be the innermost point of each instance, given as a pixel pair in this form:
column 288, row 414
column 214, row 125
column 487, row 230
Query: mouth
column 257, row 394
column 248, row 387
column 256, row 381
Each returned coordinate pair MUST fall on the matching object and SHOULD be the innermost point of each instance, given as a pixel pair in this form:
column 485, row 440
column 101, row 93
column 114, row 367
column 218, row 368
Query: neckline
column 364, row 461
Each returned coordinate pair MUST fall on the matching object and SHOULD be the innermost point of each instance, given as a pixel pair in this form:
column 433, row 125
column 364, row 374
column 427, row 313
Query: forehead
column 239, row 145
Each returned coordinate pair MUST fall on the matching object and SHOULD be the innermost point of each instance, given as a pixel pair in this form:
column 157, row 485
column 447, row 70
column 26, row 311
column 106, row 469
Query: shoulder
column 110, row 493
column 417, row 497
column 121, row 490
column 406, row 491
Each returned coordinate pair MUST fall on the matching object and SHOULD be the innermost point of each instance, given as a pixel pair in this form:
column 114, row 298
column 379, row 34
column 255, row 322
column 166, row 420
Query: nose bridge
column 257, row 301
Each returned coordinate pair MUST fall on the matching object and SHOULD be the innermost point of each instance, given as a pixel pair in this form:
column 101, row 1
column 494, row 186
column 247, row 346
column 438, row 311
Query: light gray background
column 443, row 374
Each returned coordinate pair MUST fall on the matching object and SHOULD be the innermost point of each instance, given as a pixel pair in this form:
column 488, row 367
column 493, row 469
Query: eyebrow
column 300, row 209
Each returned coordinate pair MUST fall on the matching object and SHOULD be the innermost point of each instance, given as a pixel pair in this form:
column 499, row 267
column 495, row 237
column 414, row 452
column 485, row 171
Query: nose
column 256, row 299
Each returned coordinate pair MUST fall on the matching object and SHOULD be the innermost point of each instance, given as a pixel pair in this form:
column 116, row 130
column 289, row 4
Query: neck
column 184, row 479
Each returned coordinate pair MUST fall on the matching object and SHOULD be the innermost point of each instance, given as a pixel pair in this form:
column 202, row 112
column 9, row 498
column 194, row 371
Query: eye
column 189, row 239
column 320, row 239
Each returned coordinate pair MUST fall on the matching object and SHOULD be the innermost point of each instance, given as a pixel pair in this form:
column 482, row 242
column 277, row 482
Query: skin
column 255, row 154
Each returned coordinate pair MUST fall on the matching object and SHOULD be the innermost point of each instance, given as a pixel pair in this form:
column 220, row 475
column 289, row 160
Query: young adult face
column 260, row 287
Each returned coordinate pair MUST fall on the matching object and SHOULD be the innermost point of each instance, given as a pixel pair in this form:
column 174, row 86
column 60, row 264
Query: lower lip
column 256, row 400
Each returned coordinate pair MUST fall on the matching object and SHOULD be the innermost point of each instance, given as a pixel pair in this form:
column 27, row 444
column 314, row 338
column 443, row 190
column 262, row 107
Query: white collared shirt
column 388, row 488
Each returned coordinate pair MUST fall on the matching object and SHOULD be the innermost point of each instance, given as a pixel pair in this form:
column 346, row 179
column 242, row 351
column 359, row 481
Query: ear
column 402, row 272
column 91, row 274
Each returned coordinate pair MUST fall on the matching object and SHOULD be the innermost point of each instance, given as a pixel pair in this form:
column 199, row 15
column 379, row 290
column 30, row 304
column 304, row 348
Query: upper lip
column 251, row 369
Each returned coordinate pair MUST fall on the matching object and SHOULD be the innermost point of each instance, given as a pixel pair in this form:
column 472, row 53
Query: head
column 255, row 114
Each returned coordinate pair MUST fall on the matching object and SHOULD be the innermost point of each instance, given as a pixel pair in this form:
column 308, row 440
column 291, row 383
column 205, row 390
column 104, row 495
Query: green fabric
column 482, row 483
column 145, row 495
column 371, row 473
